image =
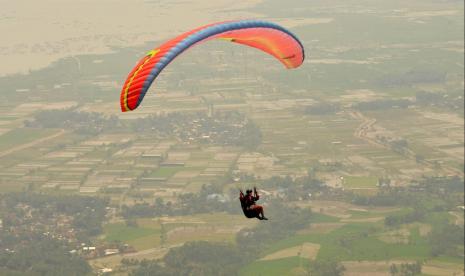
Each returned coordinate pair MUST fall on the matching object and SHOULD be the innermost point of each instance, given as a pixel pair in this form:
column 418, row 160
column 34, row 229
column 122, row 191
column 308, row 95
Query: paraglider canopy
column 266, row 36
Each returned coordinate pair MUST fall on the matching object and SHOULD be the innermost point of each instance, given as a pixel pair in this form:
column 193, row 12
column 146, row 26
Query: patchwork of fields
column 337, row 118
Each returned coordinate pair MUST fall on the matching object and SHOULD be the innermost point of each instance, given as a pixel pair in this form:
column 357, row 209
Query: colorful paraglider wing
column 268, row 37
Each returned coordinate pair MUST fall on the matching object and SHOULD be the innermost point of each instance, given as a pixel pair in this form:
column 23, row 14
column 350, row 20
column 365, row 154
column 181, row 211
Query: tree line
column 206, row 258
column 223, row 128
column 39, row 231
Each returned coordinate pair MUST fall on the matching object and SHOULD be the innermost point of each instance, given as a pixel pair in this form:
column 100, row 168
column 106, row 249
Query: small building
column 105, row 270
column 111, row 251
column 218, row 197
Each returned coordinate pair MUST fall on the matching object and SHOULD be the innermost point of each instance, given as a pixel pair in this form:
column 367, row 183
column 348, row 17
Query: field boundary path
column 31, row 144
column 367, row 125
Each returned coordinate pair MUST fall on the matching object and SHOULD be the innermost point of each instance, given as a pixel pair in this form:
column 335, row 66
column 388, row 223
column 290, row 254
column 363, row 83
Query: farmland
column 364, row 140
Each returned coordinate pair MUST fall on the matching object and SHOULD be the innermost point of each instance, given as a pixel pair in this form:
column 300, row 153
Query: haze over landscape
column 358, row 154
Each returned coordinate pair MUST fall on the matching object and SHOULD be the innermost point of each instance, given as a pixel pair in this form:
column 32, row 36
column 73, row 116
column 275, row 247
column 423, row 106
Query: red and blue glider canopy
column 268, row 37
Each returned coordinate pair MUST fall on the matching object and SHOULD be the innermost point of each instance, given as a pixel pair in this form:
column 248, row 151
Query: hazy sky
column 35, row 33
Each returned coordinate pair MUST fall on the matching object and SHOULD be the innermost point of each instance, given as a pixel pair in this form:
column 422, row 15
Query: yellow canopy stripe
column 149, row 56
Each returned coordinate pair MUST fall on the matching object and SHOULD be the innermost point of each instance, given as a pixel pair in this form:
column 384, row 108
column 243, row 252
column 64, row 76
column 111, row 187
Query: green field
column 165, row 172
column 214, row 227
column 319, row 218
column 360, row 214
column 361, row 238
column 351, row 242
column 141, row 237
column 287, row 266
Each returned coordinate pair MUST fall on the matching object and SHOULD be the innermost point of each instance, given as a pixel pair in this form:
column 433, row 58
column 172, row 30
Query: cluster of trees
column 83, row 122
column 413, row 77
column 435, row 195
column 87, row 213
column 432, row 193
column 447, row 239
column 204, row 258
column 449, row 101
column 285, row 222
column 43, row 81
column 446, row 186
column 297, row 188
column 211, row 197
column 193, row 258
column 325, row 268
column 30, row 243
column 406, row 269
column 405, row 217
column 399, row 145
column 383, row 104
column 186, row 204
column 227, row 128
column 44, row 256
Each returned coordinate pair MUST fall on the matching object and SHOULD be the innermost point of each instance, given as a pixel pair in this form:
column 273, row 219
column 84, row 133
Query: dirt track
column 31, row 144
column 367, row 126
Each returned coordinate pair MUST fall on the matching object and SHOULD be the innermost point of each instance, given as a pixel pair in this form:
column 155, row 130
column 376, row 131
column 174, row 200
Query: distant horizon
column 76, row 30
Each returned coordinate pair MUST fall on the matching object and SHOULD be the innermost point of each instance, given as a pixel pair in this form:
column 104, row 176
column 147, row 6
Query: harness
column 249, row 213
